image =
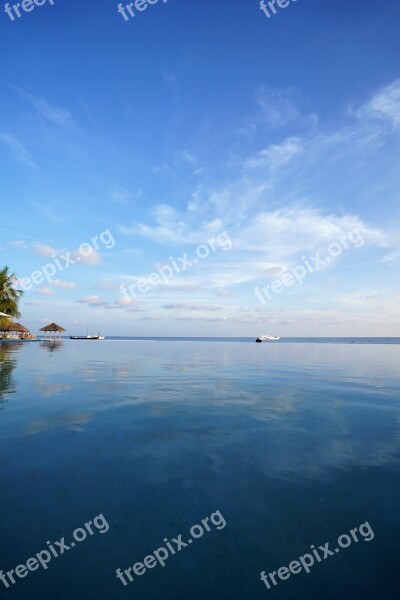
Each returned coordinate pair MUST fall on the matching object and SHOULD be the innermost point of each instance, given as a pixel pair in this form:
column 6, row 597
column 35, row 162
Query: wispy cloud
column 54, row 114
column 44, row 250
column 393, row 257
column 65, row 285
column 385, row 104
column 17, row 150
column 45, row 291
column 122, row 197
column 49, row 211
column 34, row 303
column 93, row 300
column 90, row 258
column 203, row 318
column 276, row 155
column 21, row 244
column 107, row 285
column 198, row 306
column 278, row 106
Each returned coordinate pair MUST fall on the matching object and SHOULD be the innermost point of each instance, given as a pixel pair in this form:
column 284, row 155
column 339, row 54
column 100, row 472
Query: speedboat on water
column 87, row 337
column 267, row 338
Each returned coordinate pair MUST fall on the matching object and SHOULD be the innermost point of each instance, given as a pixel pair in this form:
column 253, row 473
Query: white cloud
column 393, row 257
column 54, row 114
column 186, row 157
column 45, row 291
column 192, row 306
column 44, row 250
column 67, row 285
column 90, row 300
column 49, row 211
column 272, row 271
column 123, row 301
column 121, row 196
column 265, row 244
column 18, row 244
column 276, row 155
column 372, row 303
column 385, row 104
column 360, row 298
column 289, row 231
column 17, row 149
column 90, row 258
column 200, row 318
column 107, row 285
column 277, row 106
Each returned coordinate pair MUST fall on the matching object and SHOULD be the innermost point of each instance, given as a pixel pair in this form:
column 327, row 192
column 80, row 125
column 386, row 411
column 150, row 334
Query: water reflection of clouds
column 73, row 422
column 285, row 411
column 277, row 452
column 277, row 434
column 47, row 390
column 108, row 371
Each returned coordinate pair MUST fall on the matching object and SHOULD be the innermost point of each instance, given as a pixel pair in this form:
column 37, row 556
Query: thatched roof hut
column 14, row 327
column 53, row 327
column 16, row 330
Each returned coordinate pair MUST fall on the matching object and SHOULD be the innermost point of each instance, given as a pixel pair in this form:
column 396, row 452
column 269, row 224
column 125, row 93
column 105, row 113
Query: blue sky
column 190, row 120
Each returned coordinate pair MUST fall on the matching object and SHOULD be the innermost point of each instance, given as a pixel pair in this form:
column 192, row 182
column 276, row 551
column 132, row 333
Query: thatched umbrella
column 52, row 327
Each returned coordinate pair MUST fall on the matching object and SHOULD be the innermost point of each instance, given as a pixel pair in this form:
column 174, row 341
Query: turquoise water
column 294, row 443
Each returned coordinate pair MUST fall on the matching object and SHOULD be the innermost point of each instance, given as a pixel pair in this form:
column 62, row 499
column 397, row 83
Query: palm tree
column 9, row 296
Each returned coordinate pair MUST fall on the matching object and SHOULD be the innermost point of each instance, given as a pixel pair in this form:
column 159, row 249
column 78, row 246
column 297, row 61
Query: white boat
column 267, row 338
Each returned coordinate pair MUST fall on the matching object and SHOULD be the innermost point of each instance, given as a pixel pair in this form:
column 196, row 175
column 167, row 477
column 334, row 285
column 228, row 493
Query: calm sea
column 289, row 340
column 294, row 443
